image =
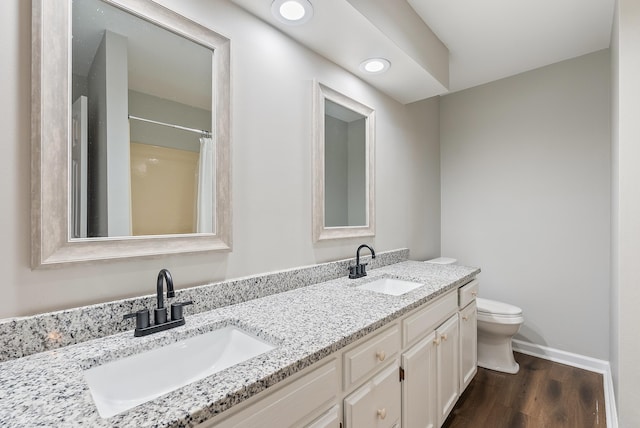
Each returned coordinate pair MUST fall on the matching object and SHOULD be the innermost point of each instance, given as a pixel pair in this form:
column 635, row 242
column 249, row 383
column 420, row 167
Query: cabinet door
column 376, row 404
column 468, row 344
column 419, row 385
column 448, row 367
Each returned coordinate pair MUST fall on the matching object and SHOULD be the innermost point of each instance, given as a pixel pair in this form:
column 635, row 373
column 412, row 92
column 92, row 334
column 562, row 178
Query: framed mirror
column 343, row 166
column 130, row 132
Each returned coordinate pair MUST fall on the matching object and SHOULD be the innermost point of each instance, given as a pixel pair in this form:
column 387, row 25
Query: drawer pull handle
column 380, row 355
column 465, row 318
column 474, row 293
column 444, row 336
column 382, row 413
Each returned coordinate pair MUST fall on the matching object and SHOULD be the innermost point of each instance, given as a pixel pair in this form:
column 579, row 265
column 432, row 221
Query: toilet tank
column 442, row 261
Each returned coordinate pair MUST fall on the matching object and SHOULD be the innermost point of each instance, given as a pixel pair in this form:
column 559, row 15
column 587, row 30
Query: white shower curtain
column 204, row 201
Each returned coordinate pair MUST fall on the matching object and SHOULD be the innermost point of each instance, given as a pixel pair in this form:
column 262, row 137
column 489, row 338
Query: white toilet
column 443, row 261
column 497, row 324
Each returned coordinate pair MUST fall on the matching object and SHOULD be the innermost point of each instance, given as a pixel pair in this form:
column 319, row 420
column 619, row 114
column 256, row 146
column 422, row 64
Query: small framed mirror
column 130, row 132
column 343, row 166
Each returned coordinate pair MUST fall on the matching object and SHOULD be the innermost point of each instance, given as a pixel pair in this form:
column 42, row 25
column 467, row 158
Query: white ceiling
column 487, row 40
column 160, row 62
column 344, row 32
column 492, row 39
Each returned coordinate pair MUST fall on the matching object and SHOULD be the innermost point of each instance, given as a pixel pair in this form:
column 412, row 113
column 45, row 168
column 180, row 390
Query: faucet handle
column 141, row 316
column 363, row 269
column 176, row 309
column 160, row 316
column 353, row 272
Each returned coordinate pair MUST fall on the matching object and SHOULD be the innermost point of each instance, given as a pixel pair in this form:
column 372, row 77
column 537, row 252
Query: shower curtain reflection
column 206, row 178
column 172, row 170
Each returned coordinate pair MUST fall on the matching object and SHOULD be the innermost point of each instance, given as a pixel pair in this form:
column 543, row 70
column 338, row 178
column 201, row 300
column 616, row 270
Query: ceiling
column 441, row 46
column 349, row 31
column 492, row 39
column 160, row 62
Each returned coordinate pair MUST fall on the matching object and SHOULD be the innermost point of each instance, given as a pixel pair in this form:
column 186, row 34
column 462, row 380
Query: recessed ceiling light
column 375, row 65
column 292, row 12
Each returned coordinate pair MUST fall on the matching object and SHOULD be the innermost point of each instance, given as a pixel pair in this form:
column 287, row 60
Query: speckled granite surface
column 307, row 323
column 24, row 336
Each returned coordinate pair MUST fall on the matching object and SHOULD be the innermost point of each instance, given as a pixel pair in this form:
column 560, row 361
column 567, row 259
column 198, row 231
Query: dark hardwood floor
column 543, row 394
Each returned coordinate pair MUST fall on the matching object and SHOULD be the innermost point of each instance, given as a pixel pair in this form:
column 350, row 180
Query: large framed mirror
column 130, row 132
column 343, row 166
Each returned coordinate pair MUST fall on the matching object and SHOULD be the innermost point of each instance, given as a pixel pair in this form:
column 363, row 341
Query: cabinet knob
column 444, row 336
column 436, row 340
column 382, row 413
column 380, row 355
column 465, row 318
column 474, row 293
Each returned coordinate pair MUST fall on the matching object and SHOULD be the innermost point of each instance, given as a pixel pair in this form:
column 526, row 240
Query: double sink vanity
column 394, row 348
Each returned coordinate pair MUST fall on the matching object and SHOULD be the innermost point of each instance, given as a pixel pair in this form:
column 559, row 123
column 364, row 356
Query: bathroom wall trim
column 580, row 361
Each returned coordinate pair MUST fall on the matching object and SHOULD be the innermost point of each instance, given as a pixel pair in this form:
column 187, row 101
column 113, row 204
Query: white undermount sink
column 391, row 286
column 125, row 383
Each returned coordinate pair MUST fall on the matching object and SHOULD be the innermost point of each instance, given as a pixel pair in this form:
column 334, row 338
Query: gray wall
column 163, row 110
column 625, row 275
column 357, row 172
column 109, row 167
column 345, row 172
column 336, row 172
column 271, row 170
column 97, row 182
column 526, row 196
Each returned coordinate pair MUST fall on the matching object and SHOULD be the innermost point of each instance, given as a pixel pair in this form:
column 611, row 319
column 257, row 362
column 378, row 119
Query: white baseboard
column 582, row 362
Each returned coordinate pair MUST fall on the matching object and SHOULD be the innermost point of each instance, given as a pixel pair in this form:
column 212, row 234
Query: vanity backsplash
column 24, row 336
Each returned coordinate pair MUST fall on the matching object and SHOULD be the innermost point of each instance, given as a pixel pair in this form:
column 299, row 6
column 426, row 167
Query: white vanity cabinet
column 468, row 333
column 376, row 351
column 447, row 367
column 407, row 374
column 376, row 404
column 431, row 374
column 419, row 385
column 468, row 344
column 306, row 401
column 329, row 419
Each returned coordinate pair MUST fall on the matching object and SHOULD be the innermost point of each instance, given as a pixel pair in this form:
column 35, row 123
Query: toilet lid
column 498, row 308
column 443, row 261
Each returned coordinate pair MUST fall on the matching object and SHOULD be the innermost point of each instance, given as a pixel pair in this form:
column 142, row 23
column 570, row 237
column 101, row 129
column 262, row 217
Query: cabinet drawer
column 468, row 293
column 329, row 419
column 426, row 320
column 377, row 403
column 370, row 355
column 291, row 404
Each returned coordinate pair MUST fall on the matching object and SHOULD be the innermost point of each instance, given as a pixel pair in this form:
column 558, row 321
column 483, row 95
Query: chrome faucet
column 161, row 322
column 359, row 270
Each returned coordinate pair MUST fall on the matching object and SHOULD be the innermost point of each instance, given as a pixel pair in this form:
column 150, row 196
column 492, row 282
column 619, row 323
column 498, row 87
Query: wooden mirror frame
column 320, row 231
column 51, row 242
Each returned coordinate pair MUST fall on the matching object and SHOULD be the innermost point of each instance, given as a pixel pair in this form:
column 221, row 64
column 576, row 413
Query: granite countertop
column 307, row 324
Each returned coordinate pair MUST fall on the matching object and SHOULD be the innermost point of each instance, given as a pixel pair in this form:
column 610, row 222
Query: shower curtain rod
column 198, row 131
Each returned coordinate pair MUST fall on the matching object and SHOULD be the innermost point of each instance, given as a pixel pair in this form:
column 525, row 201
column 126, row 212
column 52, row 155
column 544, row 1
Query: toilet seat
column 498, row 312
